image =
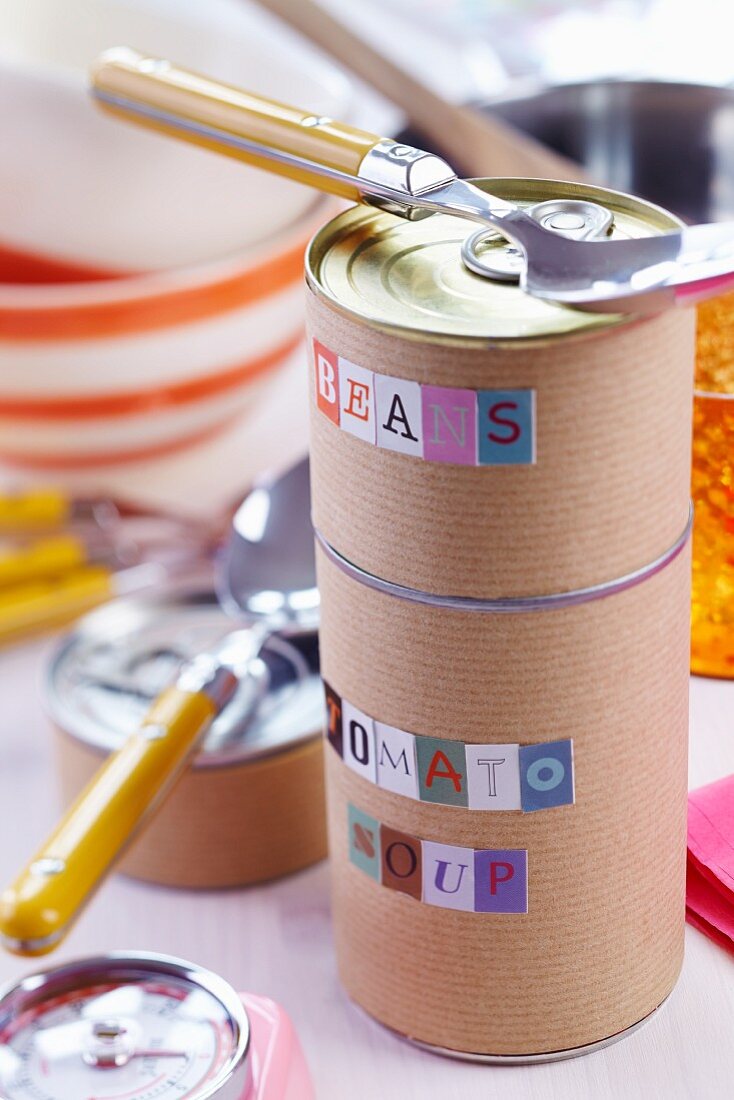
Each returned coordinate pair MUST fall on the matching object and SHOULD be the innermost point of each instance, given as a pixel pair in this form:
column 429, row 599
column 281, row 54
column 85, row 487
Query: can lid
column 107, row 672
column 409, row 277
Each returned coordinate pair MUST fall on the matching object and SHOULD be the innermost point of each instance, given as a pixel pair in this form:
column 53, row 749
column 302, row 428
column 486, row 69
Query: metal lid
column 106, row 673
column 408, row 276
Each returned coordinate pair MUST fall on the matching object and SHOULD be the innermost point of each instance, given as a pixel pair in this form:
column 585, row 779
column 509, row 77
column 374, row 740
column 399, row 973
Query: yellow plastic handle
column 45, row 604
column 34, row 510
column 37, row 911
column 47, row 557
column 126, row 76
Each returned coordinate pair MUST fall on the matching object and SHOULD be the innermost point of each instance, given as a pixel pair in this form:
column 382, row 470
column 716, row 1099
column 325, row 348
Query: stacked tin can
column 501, row 503
column 251, row 806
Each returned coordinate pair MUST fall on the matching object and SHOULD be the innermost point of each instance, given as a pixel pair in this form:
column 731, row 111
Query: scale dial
column 132, row 1027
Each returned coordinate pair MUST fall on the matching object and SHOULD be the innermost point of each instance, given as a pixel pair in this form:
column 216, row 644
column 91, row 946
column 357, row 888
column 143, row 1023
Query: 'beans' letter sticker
column 436, row 423
column 449, row 425
column 399, row 415
column 327, row 381
column 506, row 427
column 357, row 400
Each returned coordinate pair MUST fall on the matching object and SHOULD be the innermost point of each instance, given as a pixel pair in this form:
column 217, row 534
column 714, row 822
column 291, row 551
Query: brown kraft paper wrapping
column 222, row 826
column 608, row 493
column 602, row 943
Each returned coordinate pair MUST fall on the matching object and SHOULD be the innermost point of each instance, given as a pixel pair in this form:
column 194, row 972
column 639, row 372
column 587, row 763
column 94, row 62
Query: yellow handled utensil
column 37, row 911
column 47, row 557
column 50, row 602
column 317, row 151
column 36, row 509
column 47, row 603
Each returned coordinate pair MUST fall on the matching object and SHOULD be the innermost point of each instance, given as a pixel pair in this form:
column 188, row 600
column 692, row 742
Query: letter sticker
column 501, row 881
column 396, row 761
column 493, row 775
column 448, row 876
column 399, row 415
column 333, row 718
column 443, row 875
column 437, row 423
column 442, row 771
column 364, row 842
column 358, row 738
column 357, row 400
column 327, row 381
column 506, row 427
column 546, row 775
column 402, row 867
column 449, row 425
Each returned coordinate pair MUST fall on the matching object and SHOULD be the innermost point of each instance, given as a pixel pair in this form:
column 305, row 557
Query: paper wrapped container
column 606, row 500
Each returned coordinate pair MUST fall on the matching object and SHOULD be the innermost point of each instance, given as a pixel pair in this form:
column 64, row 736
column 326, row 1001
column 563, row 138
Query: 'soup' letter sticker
column 448, row 876
column 364, row 842
column 401, row 862
column 501, row 881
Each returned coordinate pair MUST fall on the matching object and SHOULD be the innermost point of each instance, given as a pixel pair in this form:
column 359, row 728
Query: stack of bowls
column 148, row 290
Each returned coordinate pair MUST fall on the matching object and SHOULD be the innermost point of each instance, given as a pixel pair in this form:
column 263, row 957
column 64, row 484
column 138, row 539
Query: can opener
column 642, row 275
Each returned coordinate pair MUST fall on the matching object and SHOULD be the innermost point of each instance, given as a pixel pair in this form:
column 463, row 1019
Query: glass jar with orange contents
column 712, row 626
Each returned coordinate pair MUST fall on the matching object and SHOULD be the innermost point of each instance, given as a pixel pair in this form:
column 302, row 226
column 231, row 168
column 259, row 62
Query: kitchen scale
column 144, row 1027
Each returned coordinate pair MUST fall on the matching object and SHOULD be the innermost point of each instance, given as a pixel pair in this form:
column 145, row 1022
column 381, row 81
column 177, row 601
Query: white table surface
column 276, row 940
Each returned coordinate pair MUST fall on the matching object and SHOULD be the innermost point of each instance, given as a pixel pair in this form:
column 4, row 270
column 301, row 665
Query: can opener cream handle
column 645, row 274
column 311, row 149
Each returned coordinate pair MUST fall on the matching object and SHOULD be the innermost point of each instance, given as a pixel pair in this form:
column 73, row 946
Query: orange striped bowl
column 148, row 290
column 103, row 372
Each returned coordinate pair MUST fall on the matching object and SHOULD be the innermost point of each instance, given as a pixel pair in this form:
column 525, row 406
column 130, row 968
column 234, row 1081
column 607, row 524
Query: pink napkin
column 710, row 872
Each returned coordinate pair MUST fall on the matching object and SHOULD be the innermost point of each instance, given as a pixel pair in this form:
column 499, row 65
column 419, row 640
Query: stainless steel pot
column 670, row 143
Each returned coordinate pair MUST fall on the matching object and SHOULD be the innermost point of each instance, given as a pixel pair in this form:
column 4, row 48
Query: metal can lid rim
column 594, row 324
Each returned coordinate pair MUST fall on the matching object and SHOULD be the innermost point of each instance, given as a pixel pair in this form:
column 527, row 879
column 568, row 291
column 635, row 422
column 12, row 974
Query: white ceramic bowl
column 206, row 252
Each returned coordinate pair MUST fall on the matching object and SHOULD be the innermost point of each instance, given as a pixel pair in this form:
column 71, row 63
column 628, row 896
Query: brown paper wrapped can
column 251, row 806
column 501, row 498
column 609, row 488
column 222, row 826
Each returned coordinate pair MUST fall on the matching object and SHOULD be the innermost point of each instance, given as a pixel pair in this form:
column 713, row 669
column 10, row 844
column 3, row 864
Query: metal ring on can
column 511, row 604
column 513, row 261
column 577, row 218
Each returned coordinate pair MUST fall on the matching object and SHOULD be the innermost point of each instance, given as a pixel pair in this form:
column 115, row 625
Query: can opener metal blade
column 640, row 275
